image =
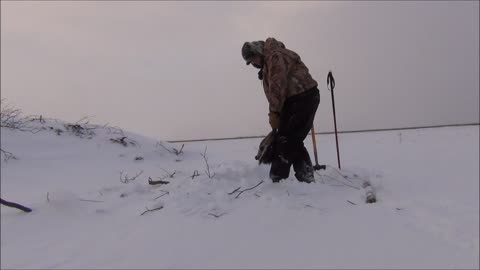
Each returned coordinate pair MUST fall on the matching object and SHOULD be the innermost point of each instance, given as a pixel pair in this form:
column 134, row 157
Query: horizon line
column 326, row 132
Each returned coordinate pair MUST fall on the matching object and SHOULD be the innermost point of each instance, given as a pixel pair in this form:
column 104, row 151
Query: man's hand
column 274, row 120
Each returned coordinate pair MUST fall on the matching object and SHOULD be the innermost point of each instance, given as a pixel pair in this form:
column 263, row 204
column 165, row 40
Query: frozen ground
column 426, row 182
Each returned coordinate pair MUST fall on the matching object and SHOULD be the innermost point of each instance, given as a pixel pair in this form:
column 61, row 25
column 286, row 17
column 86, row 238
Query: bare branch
column 347, row 177
column 125, row 141
column 159, row 182
column 169, row 175
column 351, row 202
column 369, row 192
column 335, row 179
column 151, row 210
column 113, row 130
column 210, row 174
column 38, row 118
column 7, row 155
column 12, row 118
column 83, row 121
column 163, row 146
column 240, row 193
column 80, row 130
column 164, row 193
column 178, row 152
column 237, row 189
column 173, row 150
column 119, row 140
column 195, row 174
column 15, row 205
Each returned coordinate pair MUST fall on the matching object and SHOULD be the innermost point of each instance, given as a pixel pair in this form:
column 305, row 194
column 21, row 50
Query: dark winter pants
column 296, row 120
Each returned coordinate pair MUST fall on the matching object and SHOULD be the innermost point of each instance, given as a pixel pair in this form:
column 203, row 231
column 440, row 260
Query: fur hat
column 250, row 49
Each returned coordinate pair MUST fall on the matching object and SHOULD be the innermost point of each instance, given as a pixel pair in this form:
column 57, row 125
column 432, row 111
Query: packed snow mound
column 118, row 164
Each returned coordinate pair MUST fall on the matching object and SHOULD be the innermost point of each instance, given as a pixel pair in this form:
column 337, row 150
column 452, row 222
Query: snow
column 426, row 182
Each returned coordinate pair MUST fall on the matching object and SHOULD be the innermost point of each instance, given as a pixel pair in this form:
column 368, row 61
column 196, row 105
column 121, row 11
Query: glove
column 274, row 120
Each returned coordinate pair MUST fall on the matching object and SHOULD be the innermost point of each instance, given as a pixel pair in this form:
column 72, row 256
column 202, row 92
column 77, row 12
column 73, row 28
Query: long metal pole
column 331, row 81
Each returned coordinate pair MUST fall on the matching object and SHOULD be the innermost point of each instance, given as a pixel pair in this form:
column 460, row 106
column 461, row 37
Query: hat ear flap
column 247, row 51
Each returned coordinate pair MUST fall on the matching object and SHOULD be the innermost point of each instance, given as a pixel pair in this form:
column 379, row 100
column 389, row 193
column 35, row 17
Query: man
column 293, row 99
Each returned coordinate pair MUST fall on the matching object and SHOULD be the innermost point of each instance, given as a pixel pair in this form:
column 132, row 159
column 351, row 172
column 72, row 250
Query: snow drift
column 105, row 198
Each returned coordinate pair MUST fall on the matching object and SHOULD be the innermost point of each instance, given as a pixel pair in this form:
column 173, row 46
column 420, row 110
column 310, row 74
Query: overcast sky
column 173, row 70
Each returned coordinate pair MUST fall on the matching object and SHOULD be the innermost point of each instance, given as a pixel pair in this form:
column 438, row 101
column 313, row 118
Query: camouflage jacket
column 284, row 74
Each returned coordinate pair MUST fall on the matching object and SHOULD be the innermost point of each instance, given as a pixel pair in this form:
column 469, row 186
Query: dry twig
column 150, row 210
column 195, row 174
column 159, row 182
column 39, row 119
column 12, row 118
column 240, row 192
column 334, row 179
column 7, row 155
column 164, row 193
column 169, row 175
column 173, row 150
column 210, row 174
column 237, row 189
column 15, row 205
column 125, row 141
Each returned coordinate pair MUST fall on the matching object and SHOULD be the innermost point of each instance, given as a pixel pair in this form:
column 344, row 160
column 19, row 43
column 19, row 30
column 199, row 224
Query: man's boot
column 303, row 168
column 305, row 177
column 280, row 169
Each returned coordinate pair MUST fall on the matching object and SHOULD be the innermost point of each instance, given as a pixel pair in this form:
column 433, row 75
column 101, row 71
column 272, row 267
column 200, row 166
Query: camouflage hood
column 272, row 44
column 284, row 74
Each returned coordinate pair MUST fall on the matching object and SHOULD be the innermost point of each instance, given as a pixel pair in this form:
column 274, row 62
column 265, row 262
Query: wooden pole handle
column 314, row 141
